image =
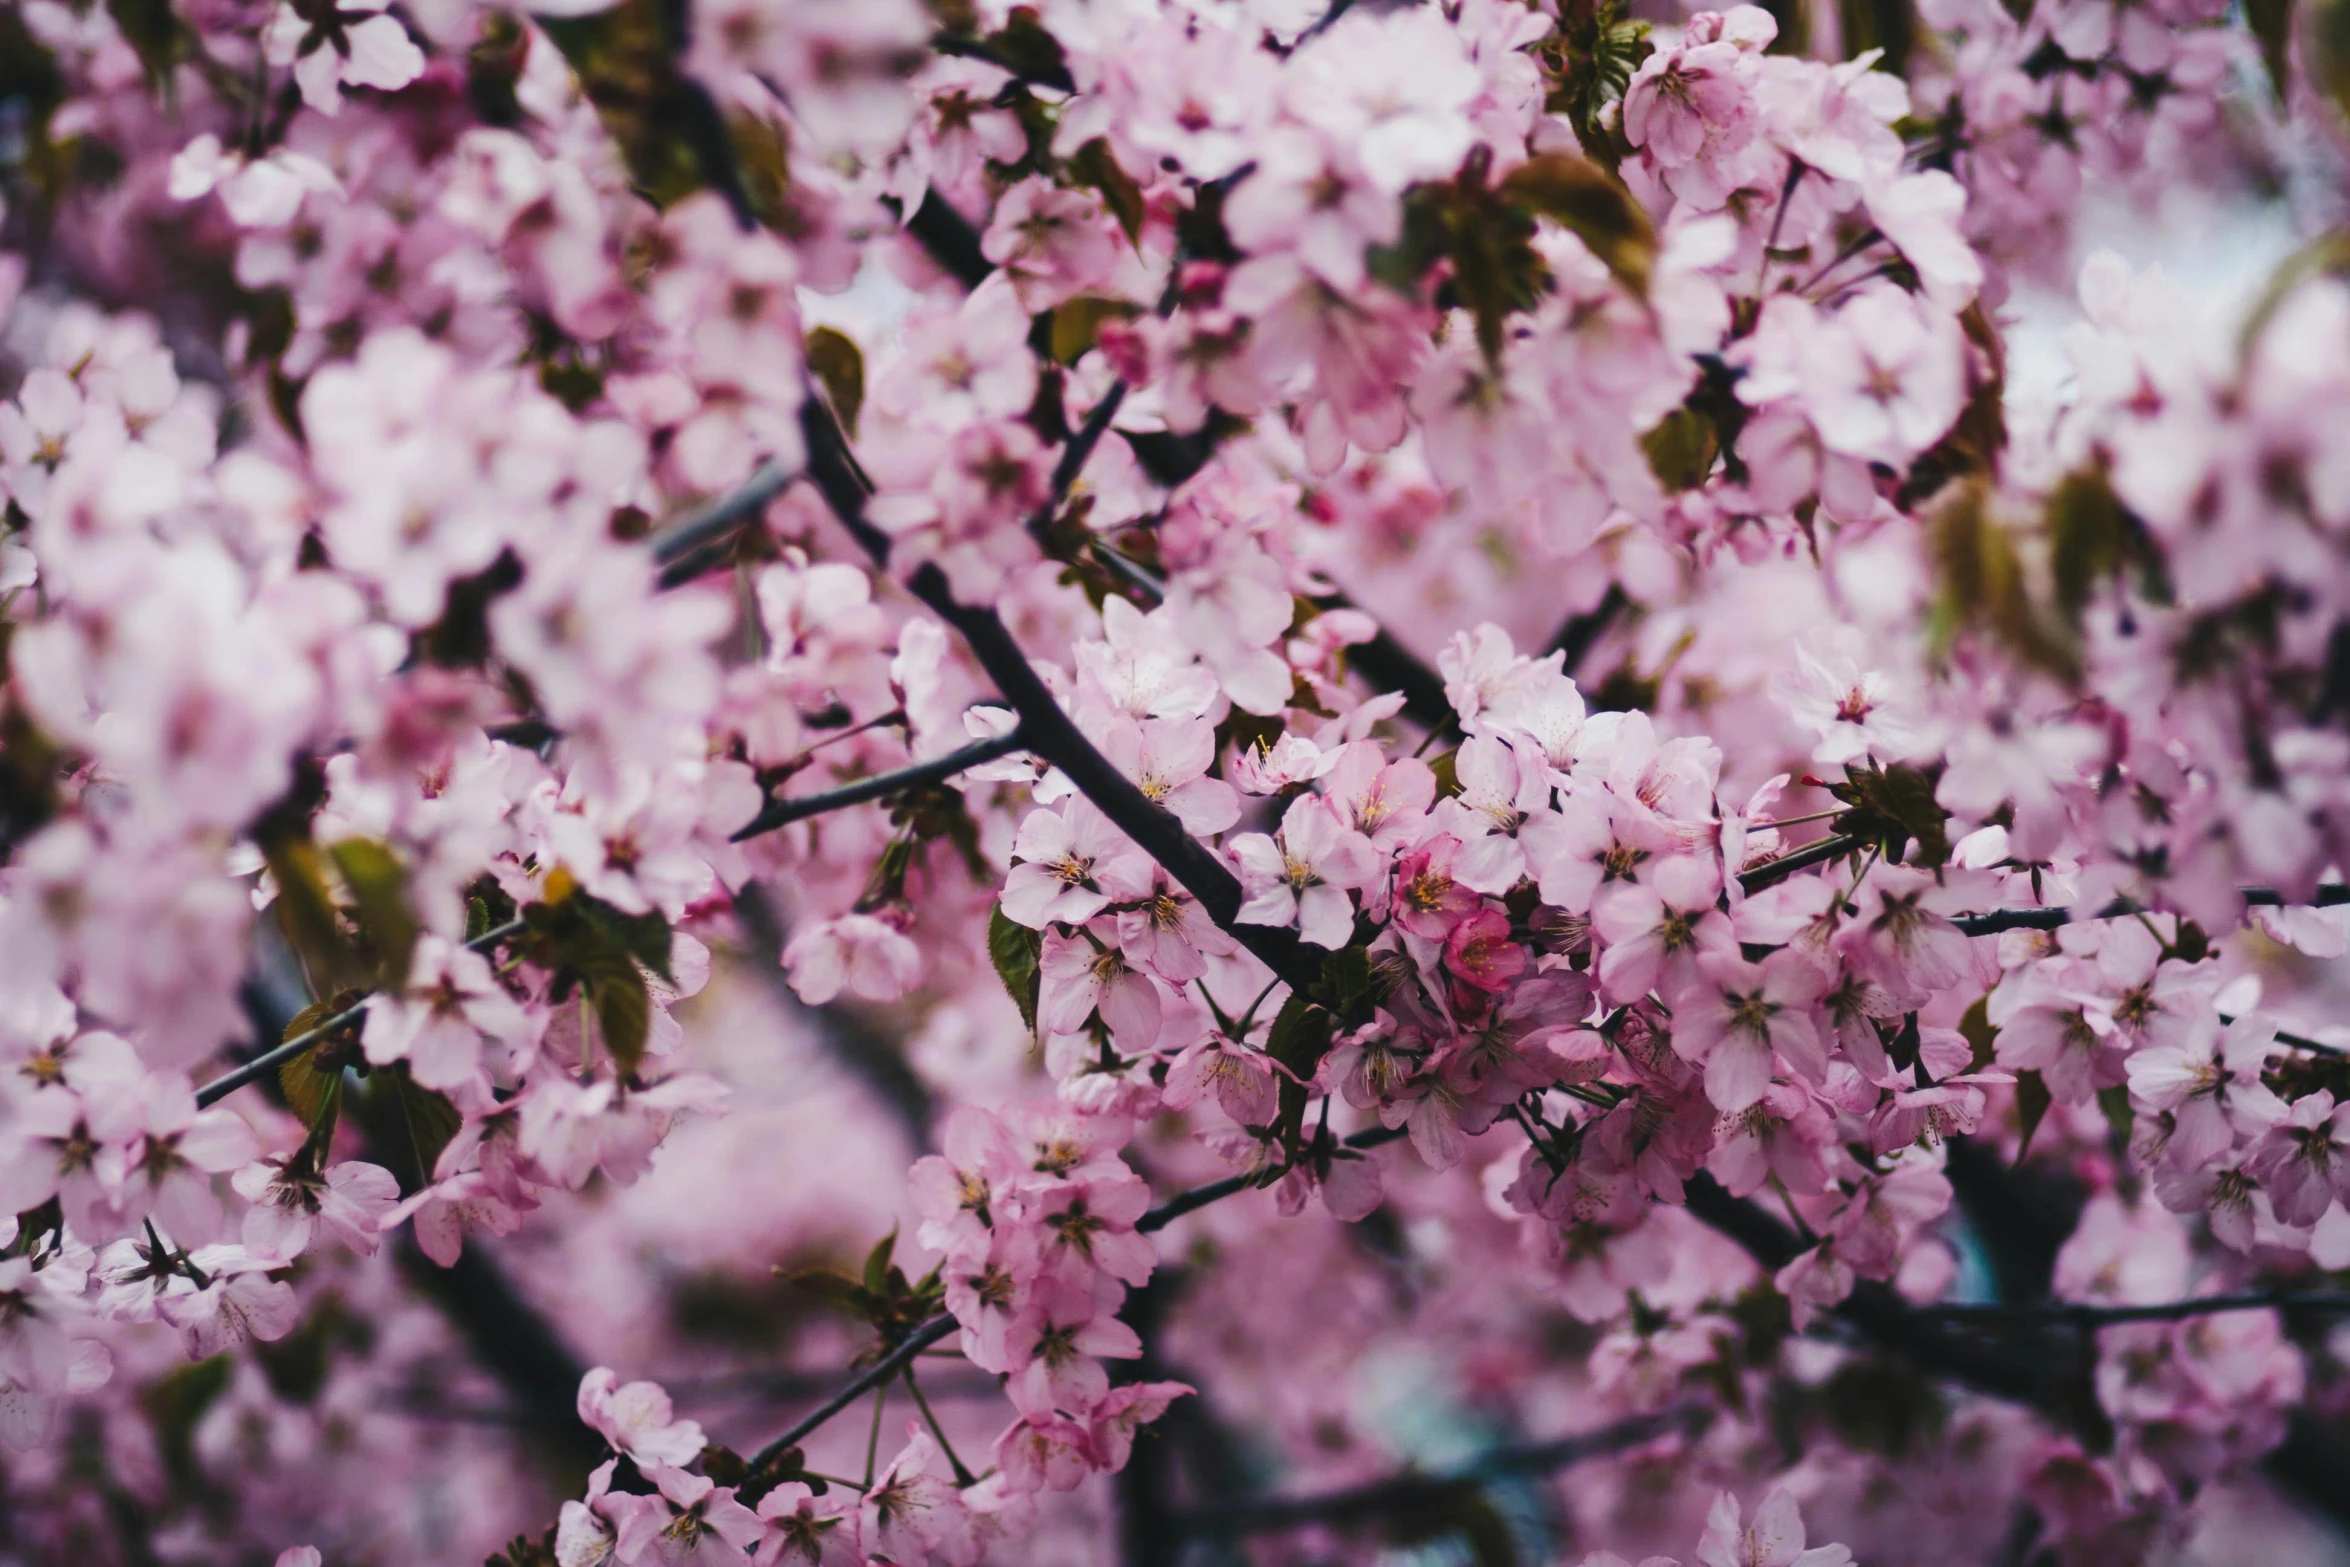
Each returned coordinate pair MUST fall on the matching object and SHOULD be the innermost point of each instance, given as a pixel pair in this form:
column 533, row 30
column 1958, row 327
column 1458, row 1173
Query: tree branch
column 691, row 547
column 1046, row 729
column 2087, row 1315
column 777, row 813
column 1415, row 1493
column 940, row 1326
column 269, row 1060
column 1581, row 633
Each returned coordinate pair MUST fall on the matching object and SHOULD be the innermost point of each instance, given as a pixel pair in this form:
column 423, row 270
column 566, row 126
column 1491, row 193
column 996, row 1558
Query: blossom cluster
column 1442, row 610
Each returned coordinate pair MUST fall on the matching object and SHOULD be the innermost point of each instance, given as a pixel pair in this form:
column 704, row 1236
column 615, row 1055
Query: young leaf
column 430, row 1118
column 2032, row 1100
column 615, row 988
column 1016, row 952
column 1299, row 1038
column 840, row 366
column 1594, row 206
column 306, row 913
column 1094, row 167
column 314, row 1091
column 378, row 883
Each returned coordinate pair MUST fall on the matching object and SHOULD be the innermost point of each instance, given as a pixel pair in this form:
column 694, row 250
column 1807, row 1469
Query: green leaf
column 1024, row 47
column 1975, row 1027
column 1077, row 324
column 1094, row 167
column 840, row 366
column 154, row 35
column 306, row 913
column 1594, row 206
column 1681, row 449
column 1447, row 768
column 2115, row 1103
column 645, row 937
column 2271, row 22
column 623, row 1006
column 1891, row 808
column 625, row 59
column 314, row 1092
column 877, row 1263
column 1983, row 585
column 1016, row 952
column 1299, row 1038
column 430, row 1117
column 1348, row 983
column 833, row 1287
column 2325, row 50
column 1890, row 25
column 378, row 884
column 1881, row 1406
column 2032, row 1100
column 175, row 1403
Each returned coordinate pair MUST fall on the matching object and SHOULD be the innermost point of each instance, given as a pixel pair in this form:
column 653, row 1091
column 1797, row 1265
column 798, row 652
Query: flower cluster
column 614, row 617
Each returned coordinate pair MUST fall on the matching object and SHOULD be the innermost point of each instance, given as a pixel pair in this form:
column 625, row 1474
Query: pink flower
column 1479, row 950
column 1170, row 934
column 1241, row 1079
column 955, row 1193
column 2210, row 1084
column 1046, row 1451
column 693, row 1520
column 1052, row 243
column 1081, row 973
column 1073, row 865
column 805, row 1530
column 1852, row 711
column 913, row 1515
column 236, row 1304
column 1680, row 100
column 1384, row 801
column 1054, row 1348
column 1168, row 759
column 291, row 1201
column 1301, row 875
column 437, row 1024
column 1740, row 1019
column 636, row 1418
column 348, row 43
column 864, row 954
column 1885, row 377
column 1427, row 901
column 2303, row 1161
column 1658, row 927
column 1774, row 1539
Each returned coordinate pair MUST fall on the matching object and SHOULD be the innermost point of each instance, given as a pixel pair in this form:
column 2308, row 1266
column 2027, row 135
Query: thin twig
column 2088, row 1315
column 778, row 813
column 721, row 517
column 1411, row 1493
column 261, row 1065
column 1834, row 846
column 864, row 1382
column 940, row 1326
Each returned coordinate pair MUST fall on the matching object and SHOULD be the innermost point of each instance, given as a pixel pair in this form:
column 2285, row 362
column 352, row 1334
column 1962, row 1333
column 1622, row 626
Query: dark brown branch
column 1425, row 1493
column 2084, row 1314
column 1182, row 1203
column 882, row 1370
column 1046, row 729
column 1834, row 846
column 778, row 813
column 269, row 1060
column 1582, row 632
column 693, row 546
column 940, row 1326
